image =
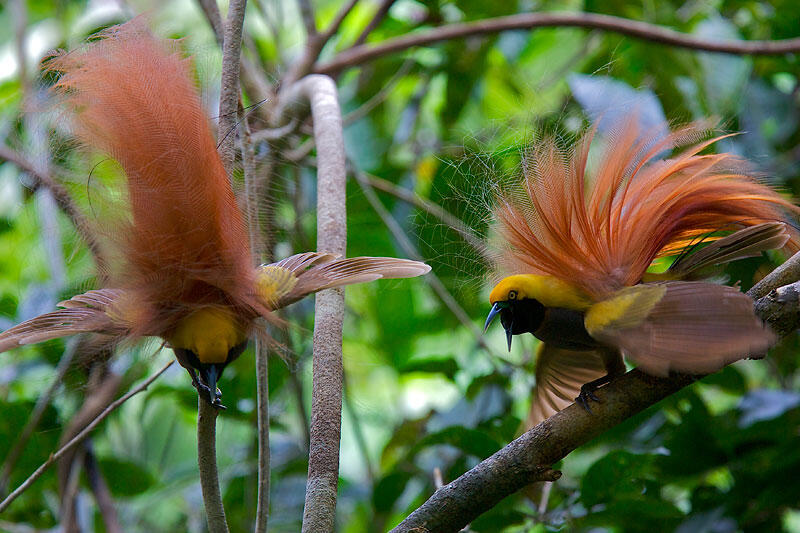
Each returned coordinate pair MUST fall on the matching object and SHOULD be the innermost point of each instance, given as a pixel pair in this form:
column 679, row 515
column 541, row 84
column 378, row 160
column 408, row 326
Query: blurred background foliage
column 423, row 398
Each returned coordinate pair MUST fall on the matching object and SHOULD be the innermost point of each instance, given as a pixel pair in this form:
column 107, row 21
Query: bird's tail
column 184, row 241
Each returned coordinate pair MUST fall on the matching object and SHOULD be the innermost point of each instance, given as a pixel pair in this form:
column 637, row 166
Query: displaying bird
column 182, row 268
column 578, row 234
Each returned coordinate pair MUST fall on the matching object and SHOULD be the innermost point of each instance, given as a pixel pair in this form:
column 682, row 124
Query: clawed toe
column 586, row 394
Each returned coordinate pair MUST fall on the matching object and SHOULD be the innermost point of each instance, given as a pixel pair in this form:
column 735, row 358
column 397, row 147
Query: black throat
column 557, row 326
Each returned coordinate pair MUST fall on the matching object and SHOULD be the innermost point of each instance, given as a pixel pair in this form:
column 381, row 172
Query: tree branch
column 326, row 404
column 309, row 20
column 253, row 193
column 525, row 21
column 229, row 86
column 431, row 208
column 207, row 465
column 523, row 460
column 383, row 9
column 314, row 45
column 79, row 438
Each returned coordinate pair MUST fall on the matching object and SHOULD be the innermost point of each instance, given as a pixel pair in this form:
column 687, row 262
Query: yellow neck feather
column 209, row 333
column 549, row 291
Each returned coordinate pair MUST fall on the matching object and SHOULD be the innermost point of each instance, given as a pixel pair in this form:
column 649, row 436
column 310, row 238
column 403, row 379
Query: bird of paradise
column 183, row 269
column 578, row 243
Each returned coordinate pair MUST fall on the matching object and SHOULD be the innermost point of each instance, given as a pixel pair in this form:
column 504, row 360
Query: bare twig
column 207, row 465
column 378, row 98
column 383, row 9
column 274, row 134
column 100, row 393
column 633, row 28
column 79, row 438
column 314, row 45
column 309, row 20
column 102, row 494
column 229, row 86
column 253, row 194
column 211, row 10
column 431, row 208
column 262, row 392
column 326, row 404
column 337, row 22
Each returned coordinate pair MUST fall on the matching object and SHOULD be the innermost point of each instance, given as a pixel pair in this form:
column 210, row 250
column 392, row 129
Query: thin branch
column 525, row 21
column 253, row 193
column 62, row 198
column 326, row 405
column 431, row 208
column 102, row 494
column 336, row 23
column 79, row 438
column 229, row 85
column 379, row 97
column 524, row 460
column 314, row 45
column 309, row 20
column 262, row 393
column 412, row 252
column 383, row 9
column 274, row 134
column 211, row 10
column 207, row 465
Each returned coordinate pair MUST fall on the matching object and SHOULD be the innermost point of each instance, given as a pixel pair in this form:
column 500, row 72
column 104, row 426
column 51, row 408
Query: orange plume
column 601, row 230
column 186, row 244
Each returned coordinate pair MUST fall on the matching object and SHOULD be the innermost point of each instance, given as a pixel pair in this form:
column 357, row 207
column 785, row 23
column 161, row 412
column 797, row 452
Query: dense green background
column 421, row 394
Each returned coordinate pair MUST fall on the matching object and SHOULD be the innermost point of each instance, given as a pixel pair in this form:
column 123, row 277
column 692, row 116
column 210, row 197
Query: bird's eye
column 512, row 295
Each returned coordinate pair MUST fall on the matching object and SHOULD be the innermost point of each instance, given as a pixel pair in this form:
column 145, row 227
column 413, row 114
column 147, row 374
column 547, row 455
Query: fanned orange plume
column 186, row 244
column 601, row 230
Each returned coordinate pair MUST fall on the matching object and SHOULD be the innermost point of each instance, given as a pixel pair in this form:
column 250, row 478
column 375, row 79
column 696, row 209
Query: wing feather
column 560, row 374
column 696, row 327
column 91, row 312
column 313, row 271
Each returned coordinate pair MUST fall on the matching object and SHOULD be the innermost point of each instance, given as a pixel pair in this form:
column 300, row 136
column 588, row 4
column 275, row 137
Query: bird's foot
column 586, row 394
column 215, row 399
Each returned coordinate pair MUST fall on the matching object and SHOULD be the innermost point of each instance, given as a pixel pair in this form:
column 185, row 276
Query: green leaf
column 125, row 478
column 619, row 474
column 469, row 441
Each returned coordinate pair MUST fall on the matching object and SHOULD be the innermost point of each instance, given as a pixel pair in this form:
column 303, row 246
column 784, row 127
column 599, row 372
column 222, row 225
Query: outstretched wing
column 692, row 327
column 561, row 373
column 88, row 312
column 289, row 280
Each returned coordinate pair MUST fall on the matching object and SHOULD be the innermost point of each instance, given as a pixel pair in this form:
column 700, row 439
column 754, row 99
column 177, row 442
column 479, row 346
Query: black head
column 517, row 316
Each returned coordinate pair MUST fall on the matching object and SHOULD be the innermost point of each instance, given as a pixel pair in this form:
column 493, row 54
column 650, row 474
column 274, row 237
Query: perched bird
column 578, row 234
column 181, row 265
